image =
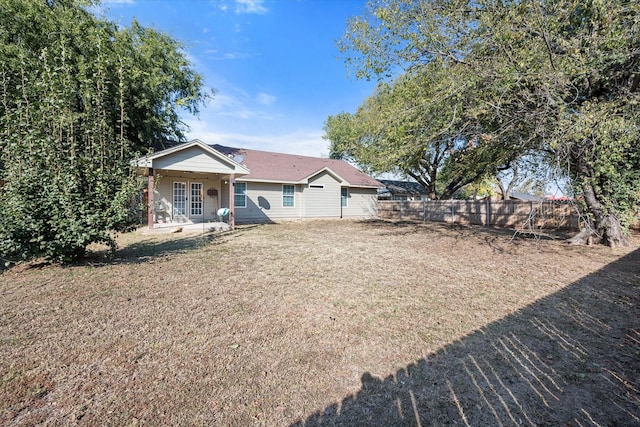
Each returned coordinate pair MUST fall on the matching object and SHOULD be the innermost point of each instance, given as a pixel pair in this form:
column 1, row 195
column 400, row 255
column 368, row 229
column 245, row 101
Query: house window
column 240, row 194
column 288, row 197
column 344, row 192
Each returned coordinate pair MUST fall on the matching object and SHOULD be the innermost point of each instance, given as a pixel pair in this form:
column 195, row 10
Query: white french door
column 196, row 203
column 179, row 199
column 188, row 200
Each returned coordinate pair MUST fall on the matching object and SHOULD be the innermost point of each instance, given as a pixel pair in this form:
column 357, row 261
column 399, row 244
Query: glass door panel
column 196, row 199
column 179, row 199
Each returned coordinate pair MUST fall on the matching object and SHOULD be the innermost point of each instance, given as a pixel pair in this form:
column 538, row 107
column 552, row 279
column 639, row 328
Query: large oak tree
column 423, row 125
column 559, row 76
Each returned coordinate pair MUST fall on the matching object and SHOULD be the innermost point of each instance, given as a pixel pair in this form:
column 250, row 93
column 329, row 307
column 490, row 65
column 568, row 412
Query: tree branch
column 635, row 83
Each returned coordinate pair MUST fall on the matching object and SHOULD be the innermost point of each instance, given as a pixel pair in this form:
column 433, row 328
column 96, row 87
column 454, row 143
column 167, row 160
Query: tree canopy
column 561, row 77
column 79, row 98
column 424, row 125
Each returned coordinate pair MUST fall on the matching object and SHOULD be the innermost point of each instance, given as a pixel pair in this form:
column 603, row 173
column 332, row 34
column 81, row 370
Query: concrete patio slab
column 191, row 228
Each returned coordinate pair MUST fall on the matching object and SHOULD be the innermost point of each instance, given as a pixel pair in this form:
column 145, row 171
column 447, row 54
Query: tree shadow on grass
column 145, row 249
column 461, row 231
column 572, row 358
column 150, row 248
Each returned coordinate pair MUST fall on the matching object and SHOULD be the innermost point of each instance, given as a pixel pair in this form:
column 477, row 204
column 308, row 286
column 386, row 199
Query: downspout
column 341, row 207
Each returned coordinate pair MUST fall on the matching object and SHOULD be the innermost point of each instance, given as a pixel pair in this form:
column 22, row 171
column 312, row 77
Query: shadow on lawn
column 401, row 227
column 572, row 358
column 152, row 248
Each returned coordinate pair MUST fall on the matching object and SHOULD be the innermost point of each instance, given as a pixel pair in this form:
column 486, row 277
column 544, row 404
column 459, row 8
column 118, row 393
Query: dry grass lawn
column 331, row 323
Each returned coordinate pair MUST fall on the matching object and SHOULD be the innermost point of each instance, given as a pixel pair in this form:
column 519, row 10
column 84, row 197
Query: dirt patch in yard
column 326, row 322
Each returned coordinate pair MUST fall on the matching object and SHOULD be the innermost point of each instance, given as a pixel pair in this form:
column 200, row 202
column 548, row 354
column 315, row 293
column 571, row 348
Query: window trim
column 243, row 194
column 344, row 197
column 292, row 195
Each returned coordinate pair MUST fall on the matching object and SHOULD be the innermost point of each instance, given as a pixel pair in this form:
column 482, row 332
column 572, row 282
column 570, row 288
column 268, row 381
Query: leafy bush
column 80, row 98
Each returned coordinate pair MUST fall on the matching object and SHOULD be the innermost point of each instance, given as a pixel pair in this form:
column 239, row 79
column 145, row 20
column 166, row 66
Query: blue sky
column 273, row 63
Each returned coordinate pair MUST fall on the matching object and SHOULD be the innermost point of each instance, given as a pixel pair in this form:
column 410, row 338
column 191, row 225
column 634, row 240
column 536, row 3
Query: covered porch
column 189, row 184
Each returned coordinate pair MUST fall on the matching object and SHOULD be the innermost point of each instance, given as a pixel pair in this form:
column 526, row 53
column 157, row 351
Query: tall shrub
column 75, row 108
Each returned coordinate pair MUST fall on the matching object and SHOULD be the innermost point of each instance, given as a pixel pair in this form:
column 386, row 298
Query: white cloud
column 250, row 6
column 303, row 142
column 239, row 118
column 265, row 99
column 101, row 9
column 236, row 55
column 234, row 103
column 215, row 55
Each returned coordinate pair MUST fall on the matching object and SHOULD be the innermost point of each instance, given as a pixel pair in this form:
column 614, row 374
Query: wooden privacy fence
column 505, row 213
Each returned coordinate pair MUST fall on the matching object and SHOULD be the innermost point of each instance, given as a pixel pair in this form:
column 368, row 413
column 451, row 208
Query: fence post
column 401, row 209
column 424, row 210
column 488, row 207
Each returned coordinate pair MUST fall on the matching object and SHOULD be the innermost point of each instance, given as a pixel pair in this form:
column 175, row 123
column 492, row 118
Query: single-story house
column 194, row 181
column 401, row 190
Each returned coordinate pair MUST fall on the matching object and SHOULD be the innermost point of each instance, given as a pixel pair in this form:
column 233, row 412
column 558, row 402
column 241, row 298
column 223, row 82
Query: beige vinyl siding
column 322, row 202
column 264, row 204
column 163, row 195
column 362, row 203
column 192, row 159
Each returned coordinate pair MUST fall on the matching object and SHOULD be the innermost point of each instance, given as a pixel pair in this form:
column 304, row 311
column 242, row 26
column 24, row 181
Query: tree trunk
column 505, row 191
column 606, row 228
column 429, row 183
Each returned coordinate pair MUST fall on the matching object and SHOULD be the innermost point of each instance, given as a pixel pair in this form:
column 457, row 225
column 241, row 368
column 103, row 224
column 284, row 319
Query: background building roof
column 404, row 187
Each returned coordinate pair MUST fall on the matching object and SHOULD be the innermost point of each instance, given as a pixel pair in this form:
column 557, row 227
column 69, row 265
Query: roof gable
column 328, row 171
column 193, row 156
